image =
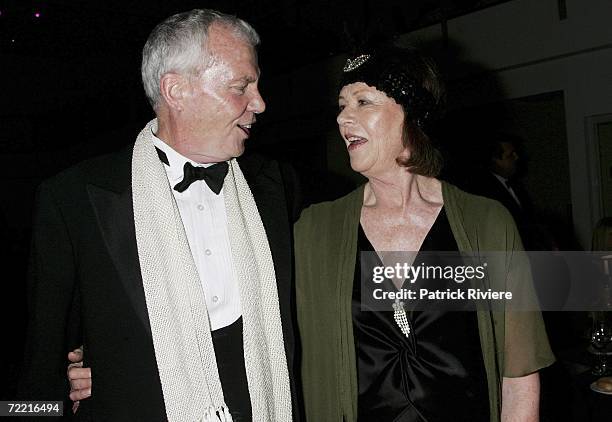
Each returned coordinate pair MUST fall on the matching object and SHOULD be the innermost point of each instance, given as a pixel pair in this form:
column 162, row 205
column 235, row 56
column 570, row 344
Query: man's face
column 221, row 102
column 506, row 165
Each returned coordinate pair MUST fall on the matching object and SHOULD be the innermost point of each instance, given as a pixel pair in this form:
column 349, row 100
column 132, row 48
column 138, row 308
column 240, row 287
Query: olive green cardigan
column 513, row 343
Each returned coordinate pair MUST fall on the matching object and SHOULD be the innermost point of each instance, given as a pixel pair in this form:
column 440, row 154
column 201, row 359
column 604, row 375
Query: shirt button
column 200, row 207
column 215, row 299
column 208, row 252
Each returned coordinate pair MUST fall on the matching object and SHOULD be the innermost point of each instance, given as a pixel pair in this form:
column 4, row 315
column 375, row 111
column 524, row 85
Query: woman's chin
column 367, row 171
column 359, row 166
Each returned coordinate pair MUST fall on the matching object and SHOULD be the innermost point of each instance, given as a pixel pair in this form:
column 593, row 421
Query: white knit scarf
column 177, row 307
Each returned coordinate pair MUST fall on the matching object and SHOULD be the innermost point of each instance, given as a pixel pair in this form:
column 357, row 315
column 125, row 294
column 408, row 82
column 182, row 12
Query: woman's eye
column 341, row 107
column 240, row 89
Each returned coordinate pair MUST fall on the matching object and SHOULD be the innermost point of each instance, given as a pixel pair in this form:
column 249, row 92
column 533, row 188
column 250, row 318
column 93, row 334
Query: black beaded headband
column 388, row 73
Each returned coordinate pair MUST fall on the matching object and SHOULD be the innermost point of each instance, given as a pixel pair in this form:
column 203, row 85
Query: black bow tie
column 213, row 175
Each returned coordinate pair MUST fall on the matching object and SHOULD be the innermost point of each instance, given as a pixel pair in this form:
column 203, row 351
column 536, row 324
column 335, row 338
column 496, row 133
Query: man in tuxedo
column 503, row 166
column 499, row 181
column 170, row 261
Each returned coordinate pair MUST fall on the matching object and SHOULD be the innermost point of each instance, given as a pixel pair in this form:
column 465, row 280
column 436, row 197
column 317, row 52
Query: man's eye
column 363, row 102
column 241, row 89
column 341, row 107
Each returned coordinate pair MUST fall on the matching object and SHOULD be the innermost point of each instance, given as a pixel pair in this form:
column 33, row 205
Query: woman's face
column 371, row 125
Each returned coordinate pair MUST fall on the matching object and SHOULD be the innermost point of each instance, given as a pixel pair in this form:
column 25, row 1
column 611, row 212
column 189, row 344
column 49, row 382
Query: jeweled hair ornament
column 352, row 64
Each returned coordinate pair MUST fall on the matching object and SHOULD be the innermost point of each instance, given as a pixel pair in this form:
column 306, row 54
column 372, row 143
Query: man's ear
column 173, row 88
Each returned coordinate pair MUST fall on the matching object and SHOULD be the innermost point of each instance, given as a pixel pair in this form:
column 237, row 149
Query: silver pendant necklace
column 399, row 314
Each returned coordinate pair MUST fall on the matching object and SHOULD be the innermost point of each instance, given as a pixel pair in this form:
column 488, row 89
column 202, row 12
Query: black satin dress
column 437, row 374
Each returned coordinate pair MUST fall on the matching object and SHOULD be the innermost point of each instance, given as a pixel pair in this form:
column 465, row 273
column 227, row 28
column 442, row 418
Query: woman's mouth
column 355, row 142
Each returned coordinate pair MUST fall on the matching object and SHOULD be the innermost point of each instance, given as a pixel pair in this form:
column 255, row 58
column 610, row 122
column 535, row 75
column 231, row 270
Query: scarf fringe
column 219, row 414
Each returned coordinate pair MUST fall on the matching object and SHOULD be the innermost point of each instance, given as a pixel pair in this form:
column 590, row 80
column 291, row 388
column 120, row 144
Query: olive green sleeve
column 526, row 346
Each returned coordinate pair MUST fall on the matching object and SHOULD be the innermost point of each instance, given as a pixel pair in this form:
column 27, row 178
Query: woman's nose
column 345, row 116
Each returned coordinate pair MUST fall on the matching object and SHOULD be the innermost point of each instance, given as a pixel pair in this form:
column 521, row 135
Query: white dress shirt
column 205, row 221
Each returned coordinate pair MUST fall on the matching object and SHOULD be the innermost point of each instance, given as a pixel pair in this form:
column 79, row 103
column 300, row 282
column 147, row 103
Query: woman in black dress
column 429, row 364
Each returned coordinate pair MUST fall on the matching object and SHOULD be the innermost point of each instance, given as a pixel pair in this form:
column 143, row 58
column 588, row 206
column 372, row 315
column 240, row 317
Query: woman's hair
column 602, row 234
column 414, row 82
column 178, row 44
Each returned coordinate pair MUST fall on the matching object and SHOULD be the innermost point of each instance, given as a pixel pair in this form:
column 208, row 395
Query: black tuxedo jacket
column 85, row 285
column 486, row 184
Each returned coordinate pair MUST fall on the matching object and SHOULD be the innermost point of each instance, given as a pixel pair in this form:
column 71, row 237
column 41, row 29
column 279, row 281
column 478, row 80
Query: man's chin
column 239, row 149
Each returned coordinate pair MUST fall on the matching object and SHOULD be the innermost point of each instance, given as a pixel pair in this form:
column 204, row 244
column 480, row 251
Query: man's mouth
column 355, row 142
column 246, row 129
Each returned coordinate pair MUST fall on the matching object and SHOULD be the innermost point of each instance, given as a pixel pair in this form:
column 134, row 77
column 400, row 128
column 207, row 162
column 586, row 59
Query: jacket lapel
column 266, row 184
column 112, row 205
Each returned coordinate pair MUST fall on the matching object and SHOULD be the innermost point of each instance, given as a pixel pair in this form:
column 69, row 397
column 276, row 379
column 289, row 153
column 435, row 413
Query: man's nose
column 257, row 104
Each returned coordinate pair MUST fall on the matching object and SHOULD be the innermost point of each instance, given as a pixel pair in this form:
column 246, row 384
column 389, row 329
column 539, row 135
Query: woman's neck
column 401, row 190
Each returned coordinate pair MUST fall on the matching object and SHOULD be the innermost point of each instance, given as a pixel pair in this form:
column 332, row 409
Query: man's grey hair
column 178, row 44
